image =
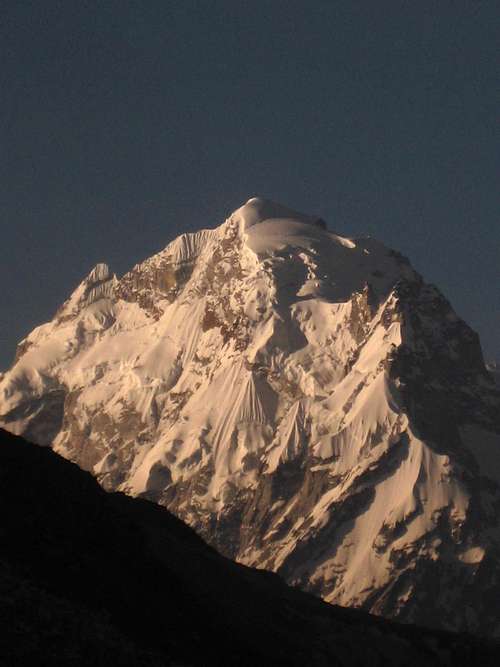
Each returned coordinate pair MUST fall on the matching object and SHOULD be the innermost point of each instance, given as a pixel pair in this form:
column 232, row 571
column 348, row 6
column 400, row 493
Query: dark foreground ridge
column 91, row 578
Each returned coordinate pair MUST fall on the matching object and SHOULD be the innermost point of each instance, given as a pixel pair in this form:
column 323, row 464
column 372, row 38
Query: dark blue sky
column 123, row 124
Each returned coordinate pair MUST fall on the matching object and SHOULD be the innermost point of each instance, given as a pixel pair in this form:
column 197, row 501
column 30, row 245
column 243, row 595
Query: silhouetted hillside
column 90, row 578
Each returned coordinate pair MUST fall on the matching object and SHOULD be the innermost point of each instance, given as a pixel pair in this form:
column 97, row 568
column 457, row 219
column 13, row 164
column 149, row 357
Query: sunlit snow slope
column 303, row 400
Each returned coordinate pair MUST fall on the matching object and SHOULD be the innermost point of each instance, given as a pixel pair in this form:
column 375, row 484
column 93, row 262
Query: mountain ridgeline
column 303, row 400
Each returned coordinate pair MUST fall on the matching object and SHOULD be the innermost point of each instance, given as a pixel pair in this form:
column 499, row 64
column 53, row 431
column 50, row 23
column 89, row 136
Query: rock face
column 305, row 401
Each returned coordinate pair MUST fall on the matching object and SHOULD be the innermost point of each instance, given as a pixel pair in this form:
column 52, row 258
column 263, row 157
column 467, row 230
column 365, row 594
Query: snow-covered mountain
column 303, row 400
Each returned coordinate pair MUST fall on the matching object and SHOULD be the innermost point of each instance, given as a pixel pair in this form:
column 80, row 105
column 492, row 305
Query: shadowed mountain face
column 90, row 578
column 303, row 400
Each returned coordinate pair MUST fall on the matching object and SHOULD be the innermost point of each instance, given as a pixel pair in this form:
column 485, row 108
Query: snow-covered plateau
column 304, row 400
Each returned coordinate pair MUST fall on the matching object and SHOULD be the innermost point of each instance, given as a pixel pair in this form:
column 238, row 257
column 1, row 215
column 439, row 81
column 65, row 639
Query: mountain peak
column 258, row 210
column 303, row 400
column 96, row 285
column 99, row 273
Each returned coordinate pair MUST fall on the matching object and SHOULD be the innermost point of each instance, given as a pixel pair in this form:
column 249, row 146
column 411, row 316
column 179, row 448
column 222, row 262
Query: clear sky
column 123, row 124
